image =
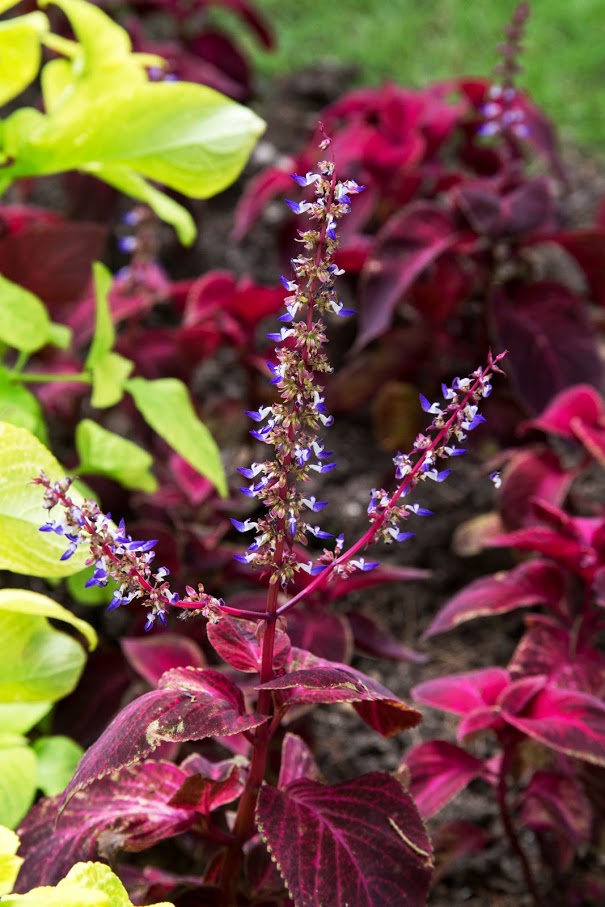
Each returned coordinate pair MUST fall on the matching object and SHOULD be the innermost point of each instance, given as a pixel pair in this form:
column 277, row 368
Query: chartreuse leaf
column 109, row 370
column 18, row 779
column 10, row 863
column 22, row 601
column 104, row 453
column 166, row 406
column 23, row 548
column 20, row 53
column 20, row 407
column 57, row 760
column 88, row 595
column 104, row 335
column 24, row 321
column 20, row 717
column 85, row 885
column 109, row 379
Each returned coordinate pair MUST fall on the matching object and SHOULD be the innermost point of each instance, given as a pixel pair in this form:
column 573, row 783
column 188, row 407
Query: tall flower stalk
column 291, row 429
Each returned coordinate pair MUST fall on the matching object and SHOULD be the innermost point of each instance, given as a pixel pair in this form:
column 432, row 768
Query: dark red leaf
column 440, row 770
column 318, row 680
column 371, row 639
column 550, row 341
column 360, row 843
column 152, row 656
column 532, row 473
column 532, row 583
column 189, row 704
column 239, row 643
column 406, row 245
column 131, row 811
column 456, row 839
column 208, row 785
column 297, row 761
column 326, row 635
column 260, row 190
column 557, row 804
column 587, row 246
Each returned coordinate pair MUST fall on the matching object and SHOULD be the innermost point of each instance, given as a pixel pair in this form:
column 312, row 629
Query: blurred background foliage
column 413, row 42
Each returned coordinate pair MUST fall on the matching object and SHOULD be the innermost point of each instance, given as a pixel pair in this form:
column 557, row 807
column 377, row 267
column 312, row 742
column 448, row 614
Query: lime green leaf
column 22, row 601
column 85, row 885
column 20, row 407
column 10, row 864
column 38, row 663
column 104, row 335
column 20, row 53
column 59, row 335
column 18, row 780
column 24, row 321
column 166, row 406
column 23, row 548
column 21, row 717
column 57, row 760
column 103, row 42
column 107, row 454
column 109, row 377
column 126, row 180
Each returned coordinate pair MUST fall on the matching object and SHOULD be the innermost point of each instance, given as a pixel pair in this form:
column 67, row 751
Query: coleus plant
column 545, row 712
column 449, row 250
column 292, row 838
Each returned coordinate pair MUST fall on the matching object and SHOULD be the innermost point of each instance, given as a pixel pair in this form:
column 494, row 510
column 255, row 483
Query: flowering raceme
column 291, row 428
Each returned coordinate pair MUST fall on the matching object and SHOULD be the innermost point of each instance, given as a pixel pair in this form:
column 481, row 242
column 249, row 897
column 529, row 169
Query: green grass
column 416, row 41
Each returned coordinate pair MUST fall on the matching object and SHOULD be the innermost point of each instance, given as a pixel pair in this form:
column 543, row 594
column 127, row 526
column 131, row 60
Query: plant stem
column 42, row 378
column 509, row 827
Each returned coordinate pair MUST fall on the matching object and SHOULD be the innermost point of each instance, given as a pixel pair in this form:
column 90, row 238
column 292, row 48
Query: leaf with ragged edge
column 166, row 406
column 23, row 548
column 130, row 811
column 568, row 721
column 297, row 761
column 240, row 644
column 152, row 656
column 313, row 679
column 360, row 843
column 440, row 770
column 550, row 341
column 371, row 639
column 9, row 861
column 532, row 583
column 408, row 243
column 85, row 885
column 102, row 452
column 536, row 472
column 18, row 779
column 190, row 704
column 20, row 53
column 209, row 785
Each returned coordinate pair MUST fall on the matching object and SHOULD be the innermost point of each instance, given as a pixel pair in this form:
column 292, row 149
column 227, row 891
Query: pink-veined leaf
column 568, row 721
column 207, row 784
column 131, row 811
column 189, row 704
column 531, row 583
column 440, row 770
column 371, row 639
column 152, row 656
column 360, row 843
column 239, row 643
column 320, row 681
column 410, row 240
column 297, row 761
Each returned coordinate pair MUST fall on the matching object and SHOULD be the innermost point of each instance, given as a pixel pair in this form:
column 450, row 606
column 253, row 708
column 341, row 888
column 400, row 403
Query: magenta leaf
column 567, row 721
column 440, row 770
column 532, row 473
column 463, row 693
column 581, row 403
column 239, row 643
column 371, row 639
column 297, row 761
column 209, row 785
column 326, row 635
column 532, row 583
column 152, row 656
column 131, row 811
column 360, row 843
column 260, row 190
column 408, row 243
column 550, row 341
column 323, row 681
column 189, row 704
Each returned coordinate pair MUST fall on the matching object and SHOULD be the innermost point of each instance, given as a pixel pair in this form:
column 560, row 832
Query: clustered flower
column 291, row 426
column 504, row 112
column 116, row 556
